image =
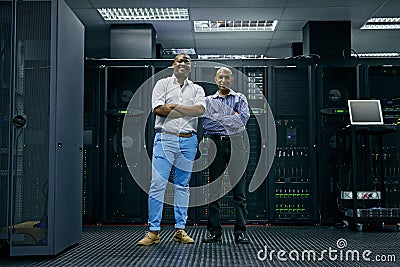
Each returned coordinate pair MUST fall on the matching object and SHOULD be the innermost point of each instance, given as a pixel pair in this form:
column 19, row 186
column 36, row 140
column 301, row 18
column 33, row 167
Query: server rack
column 383, row 83
column 123, row 199
column 293, row 179
column 6, row 18
column 256, row 91
column 335, row 84
column 371, row 197
column 42, row 162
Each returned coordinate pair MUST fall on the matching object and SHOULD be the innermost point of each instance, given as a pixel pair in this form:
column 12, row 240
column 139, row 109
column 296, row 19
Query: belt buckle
column 225, row 137
column 221, row 137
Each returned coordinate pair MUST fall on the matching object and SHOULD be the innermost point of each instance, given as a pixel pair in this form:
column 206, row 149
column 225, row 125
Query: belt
column 223, row 137
column 186, row 135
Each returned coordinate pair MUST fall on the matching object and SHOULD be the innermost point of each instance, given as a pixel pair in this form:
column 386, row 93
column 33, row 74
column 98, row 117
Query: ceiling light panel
column 176, row 51
column 237, row 25
column 128, row 14
column 231, row 56
column 379, row 55
column 382, row 24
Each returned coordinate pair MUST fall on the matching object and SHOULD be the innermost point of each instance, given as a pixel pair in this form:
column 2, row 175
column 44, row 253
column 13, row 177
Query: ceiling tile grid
column 292, row 16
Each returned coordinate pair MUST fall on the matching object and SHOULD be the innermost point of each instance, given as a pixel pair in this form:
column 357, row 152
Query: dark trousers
column 236, row 164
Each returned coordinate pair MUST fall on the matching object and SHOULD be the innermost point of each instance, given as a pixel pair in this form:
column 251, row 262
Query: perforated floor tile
column 270, row 246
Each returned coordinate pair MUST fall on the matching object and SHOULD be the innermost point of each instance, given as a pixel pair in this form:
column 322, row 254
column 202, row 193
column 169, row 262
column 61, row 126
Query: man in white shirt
column 177, row 103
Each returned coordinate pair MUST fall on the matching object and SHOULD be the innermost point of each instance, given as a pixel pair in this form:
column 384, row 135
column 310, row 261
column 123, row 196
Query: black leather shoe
column 242, row 238
column 211, row 238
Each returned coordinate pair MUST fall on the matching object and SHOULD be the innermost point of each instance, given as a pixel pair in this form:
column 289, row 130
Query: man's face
column 182, row 66
column 224, row 79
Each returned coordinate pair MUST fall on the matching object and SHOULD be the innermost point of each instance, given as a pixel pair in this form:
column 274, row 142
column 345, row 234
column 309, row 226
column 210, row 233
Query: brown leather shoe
column 182, row 236
column 149, row 239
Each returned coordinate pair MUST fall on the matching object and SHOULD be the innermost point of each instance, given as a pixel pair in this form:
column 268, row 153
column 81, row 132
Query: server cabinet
column 124, row 200
column 6, row 8
column 334, row 86
column 292, row 180
column 374, row 187
column 382, row 82
column 256, row 90
column 43, row 126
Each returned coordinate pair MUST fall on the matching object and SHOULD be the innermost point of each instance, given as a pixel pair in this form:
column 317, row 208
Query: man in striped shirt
column 224, row 122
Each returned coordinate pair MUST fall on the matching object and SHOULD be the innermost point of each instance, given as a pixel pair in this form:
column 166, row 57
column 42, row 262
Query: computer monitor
column 365, row 112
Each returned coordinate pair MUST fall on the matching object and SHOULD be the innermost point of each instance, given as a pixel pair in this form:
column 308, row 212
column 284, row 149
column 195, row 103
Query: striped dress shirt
column 220, row 117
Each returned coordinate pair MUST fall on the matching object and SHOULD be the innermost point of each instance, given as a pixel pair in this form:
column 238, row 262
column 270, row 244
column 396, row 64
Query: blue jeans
column 171, row 150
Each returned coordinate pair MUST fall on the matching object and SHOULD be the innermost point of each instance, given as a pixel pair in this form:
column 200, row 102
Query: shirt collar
column 216, row 95
column 185, row 82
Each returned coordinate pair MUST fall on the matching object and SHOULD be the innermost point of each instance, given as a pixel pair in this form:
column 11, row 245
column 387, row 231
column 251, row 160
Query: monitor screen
column 365, row 112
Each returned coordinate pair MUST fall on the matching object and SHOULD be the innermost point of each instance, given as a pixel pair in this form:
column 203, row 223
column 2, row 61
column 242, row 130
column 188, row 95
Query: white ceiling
column 292, row 16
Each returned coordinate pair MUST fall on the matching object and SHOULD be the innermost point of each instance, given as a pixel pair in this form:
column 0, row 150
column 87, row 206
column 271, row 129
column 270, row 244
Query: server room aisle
column 298, row 246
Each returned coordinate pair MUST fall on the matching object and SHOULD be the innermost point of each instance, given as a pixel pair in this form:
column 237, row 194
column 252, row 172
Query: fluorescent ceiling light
column 381, row 24
column 229, row 26
column 372, row 55
column 127, row 14
column 229, row 56
column 176, row 51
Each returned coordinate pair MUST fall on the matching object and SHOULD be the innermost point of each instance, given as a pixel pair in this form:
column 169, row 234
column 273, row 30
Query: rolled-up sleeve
column 200, row 98
column 159, row 94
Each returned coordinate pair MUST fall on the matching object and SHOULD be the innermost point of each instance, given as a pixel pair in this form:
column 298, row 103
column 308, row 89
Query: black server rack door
column 335, row 85
column 5, row 115
column 31, row 101
column 124, row 200
column 255, row 89
column 67, row 128
column 291, row 183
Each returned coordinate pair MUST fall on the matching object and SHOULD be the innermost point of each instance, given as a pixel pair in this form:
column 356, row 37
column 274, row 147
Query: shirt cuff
column 156, row 104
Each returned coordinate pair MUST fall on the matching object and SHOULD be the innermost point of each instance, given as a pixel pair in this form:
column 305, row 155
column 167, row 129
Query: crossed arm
column 174, row 111
column 228, row 116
